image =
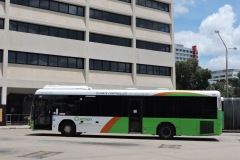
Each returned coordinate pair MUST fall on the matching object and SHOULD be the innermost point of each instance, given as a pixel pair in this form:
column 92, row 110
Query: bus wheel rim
column 67, row 129
column 166, row 132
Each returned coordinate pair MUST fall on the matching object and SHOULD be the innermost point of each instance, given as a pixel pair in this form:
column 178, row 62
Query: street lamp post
column 217, row 32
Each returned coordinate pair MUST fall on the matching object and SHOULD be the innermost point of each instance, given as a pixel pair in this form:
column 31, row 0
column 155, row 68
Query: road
column 24, row 144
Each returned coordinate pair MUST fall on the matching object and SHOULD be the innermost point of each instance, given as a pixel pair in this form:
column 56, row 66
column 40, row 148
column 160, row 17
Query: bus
column 74, row 110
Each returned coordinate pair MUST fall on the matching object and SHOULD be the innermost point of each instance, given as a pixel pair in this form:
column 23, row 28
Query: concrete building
column 184, row 53
column 110, row 44
column 220, row 75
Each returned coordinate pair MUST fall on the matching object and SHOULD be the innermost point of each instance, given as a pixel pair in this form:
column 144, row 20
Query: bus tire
column 79, row 133
column 166, row 131
column 68, row 129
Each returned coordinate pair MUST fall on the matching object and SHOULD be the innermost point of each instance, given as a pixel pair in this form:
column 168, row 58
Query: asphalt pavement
column 24, row 144
column 15, row 127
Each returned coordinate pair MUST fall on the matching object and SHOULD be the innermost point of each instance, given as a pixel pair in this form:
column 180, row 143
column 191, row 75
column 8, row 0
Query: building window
column 21, row 58
column 1, row 23
column 110, row 17
column 52, row 6
column 111, row 66
column 153, row 46
column 153, row 25
column 46, row 30
column 1, row 56
column 32, row 59
column 44, row 60
column 128, row 1
column 99, row 38
column 153, row 70
column 154, row 4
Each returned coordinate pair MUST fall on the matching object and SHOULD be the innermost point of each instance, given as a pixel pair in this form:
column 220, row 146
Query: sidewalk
column 15, row 127
column 231, row 131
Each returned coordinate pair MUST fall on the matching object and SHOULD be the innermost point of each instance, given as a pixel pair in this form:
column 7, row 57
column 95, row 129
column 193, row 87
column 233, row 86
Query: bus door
column 43, row 114
column 135, row 116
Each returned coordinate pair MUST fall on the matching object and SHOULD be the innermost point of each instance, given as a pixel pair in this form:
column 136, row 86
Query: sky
column 195, row 22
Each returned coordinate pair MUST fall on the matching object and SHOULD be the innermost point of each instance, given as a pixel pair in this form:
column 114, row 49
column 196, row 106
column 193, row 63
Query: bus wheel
column 68, row 129
column 79, row 133
column 166, row 131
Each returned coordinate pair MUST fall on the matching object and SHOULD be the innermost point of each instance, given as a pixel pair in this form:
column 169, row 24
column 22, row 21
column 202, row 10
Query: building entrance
column 18, row 108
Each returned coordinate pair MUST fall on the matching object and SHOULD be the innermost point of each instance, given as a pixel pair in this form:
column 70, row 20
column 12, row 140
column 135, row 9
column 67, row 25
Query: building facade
column 220, row 75
column 110, row 44
column 184, row 53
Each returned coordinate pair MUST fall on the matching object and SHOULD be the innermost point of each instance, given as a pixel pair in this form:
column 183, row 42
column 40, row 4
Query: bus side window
column 72, row 105
column 58, row 105
column 209, row 108
column 166, row 107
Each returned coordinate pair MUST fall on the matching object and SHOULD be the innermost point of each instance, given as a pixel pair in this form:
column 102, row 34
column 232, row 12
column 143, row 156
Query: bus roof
column 88, row 91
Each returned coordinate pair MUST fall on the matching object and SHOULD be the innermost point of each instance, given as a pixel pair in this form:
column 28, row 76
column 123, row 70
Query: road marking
column 40, row 154
column 170, row 146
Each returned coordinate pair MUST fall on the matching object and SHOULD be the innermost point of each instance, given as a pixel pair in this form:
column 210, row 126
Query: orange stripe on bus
column 109, row 125
column 177, row 93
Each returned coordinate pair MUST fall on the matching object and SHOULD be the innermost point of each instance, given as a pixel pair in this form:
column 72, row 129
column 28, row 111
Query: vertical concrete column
column 134, row 65
column 134, row 73
column 86, row 60
column 6, row 40
column 133, row 4
column 173, row 46
column 87, row 14
column 86, row 70
column 4, row 95
column 7, row 7
column 5, row 65
column 3, row 106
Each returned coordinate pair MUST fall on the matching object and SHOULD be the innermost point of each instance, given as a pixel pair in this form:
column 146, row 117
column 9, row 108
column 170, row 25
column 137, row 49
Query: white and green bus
column 74, row 110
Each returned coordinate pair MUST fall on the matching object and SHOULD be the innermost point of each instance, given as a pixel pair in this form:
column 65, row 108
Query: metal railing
column 17, row 119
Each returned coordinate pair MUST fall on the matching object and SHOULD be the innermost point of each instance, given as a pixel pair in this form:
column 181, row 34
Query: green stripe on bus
column 184, row 126
column 121, row 126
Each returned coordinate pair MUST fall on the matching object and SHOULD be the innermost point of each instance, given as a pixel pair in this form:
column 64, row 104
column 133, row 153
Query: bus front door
column 135, row 116
column 43, row 114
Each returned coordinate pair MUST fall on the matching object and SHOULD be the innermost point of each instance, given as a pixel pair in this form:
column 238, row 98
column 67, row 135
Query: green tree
column 190, row 76
column 235, row 83
column 233, row 87
column 219, row 86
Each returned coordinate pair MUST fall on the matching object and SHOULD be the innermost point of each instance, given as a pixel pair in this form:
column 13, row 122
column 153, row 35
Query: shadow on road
column 140, row 137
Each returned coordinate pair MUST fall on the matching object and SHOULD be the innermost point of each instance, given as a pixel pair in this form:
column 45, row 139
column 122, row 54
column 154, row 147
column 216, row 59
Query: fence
column 231, row 107
column 17, row 119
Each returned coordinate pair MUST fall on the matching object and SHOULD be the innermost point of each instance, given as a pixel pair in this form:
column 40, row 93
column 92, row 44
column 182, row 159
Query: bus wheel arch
column 166, row 130
column 67, row 128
